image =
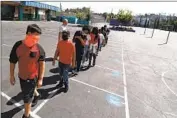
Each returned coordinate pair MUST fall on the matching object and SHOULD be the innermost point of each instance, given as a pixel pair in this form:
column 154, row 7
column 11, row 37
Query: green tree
column 140, row 20
column 105, row 15
column 88, row 17
column 147, row 24
column 175, row 25
column 80, row 15
column 158, row 22
column 124, row 16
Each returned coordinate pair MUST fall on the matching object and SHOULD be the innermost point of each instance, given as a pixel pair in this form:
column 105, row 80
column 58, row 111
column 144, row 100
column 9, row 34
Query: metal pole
column 167, row 37
column 145, row 30
column 153, row 32
column 153, row 28
column 145, row 25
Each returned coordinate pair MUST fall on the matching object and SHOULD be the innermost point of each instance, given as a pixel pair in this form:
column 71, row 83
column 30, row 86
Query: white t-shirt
column 88, row 39
column 63, row 28
column 101, row 38
column 93, row 48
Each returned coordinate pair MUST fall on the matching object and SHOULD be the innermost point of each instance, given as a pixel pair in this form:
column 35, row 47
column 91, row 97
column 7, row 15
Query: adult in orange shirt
column 66, row 53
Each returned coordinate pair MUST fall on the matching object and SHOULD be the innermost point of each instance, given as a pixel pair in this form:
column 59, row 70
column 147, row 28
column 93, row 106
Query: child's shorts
column 28, row 87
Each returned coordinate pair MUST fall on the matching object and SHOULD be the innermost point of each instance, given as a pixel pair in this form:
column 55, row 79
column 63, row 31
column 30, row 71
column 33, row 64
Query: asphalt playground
column 135, row 77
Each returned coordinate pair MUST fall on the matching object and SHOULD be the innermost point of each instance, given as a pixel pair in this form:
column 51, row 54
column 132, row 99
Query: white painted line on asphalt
column 106, row 91
column 170, row 114
column 163, row 80
column 44, row 102
column 40, row 106
column 7, row 45
column 54, row 92
column 18, row 104
column 125, row 86
column 105, row 68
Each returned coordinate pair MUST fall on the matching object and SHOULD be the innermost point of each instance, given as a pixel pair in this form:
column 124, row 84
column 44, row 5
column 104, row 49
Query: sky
column 135, row 7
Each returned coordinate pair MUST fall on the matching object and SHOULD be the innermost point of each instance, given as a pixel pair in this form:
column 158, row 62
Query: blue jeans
column 100, row 46
column 63, row 70
column 86, row 49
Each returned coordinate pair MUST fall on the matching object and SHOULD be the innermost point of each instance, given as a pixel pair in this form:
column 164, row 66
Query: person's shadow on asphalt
column 15, row 99
column 12, row 101
column 11, row 113
column 46, row 81
column 45, row 94
column 48, row 93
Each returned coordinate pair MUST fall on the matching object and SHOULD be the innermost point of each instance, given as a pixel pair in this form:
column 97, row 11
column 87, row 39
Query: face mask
column 31, row 40
column 64, row 37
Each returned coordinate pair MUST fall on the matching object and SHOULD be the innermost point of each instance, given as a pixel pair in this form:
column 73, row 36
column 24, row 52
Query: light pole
column 145, row 24
column 167, row 37
column 171, row 27
column 155, row 25
column 153, row 29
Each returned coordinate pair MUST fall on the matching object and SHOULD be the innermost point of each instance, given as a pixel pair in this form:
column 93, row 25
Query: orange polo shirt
column 66, row 50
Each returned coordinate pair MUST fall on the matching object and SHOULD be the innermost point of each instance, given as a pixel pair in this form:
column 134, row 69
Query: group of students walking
column 70, row 55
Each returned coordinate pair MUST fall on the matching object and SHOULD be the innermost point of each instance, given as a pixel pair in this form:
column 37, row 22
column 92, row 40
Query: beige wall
column 10, row 3
column 28, row 10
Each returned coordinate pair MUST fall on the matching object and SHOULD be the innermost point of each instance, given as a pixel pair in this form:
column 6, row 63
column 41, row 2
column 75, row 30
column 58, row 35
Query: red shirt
column 93, row 40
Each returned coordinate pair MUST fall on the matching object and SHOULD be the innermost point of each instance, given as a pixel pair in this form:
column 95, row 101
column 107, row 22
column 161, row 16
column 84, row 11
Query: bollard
column 167, row 37
column 153, row 33
column 145, row 30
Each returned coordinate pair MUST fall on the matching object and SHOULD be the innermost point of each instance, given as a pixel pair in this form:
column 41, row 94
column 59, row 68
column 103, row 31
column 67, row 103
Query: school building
column 27, row 10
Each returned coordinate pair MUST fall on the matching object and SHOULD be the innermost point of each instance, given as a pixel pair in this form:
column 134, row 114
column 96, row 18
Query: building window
column 26, row 9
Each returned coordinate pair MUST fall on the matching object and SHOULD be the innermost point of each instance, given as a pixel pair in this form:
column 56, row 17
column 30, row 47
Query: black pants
column 92, row 55
column 28, row 88
column 78, row 60
column 106, row 39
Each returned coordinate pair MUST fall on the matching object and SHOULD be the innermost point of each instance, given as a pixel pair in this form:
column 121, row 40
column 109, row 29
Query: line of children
column 31, row 59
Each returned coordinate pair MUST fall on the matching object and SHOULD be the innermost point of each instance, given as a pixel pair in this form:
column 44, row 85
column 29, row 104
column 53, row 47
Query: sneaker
column 60, row 84
column 66, row 88
column 25, row 116
column 93, row 64
column 74, row 72
column 35, row 100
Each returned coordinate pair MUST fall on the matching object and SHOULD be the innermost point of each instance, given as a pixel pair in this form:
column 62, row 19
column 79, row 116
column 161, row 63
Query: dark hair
column 102, row 28
column 86, row 28
column 66, row 34
column 99, row 30
column 33, row 28
column 77, row 33
column 95, row 32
